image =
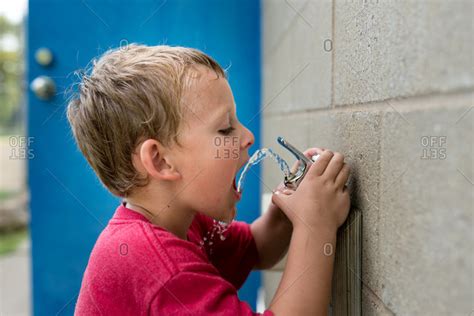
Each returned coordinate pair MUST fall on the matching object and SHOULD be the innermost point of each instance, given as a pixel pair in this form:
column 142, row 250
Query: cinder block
column 277, row 17
column 387, row 49
column 372, row 305
column 426, row 204
column 296, row 38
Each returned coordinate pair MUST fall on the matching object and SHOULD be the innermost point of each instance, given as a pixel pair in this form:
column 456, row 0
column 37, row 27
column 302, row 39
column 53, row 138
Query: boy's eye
column 227, row 131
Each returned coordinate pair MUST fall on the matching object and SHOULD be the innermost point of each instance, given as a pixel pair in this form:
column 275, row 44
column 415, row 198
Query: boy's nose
column 248, row 139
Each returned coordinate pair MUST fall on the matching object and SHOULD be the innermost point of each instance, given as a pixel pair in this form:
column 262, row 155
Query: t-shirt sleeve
column 234, row 255
column 195, row 293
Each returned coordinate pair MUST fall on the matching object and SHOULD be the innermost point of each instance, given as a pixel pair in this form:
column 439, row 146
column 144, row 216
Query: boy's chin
column 231, row 217
column 228, row 217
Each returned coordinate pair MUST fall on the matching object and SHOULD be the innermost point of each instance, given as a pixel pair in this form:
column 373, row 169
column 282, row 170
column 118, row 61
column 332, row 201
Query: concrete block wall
column 390, row 85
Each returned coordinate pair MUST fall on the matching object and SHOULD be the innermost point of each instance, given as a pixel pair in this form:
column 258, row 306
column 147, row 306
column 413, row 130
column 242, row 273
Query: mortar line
column 333, row 45
column 373, row 106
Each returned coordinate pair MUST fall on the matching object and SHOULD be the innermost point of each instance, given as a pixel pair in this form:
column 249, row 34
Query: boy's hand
column 322, row 199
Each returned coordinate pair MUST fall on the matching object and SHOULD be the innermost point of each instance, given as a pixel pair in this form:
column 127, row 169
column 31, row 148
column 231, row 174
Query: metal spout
column 293, row 179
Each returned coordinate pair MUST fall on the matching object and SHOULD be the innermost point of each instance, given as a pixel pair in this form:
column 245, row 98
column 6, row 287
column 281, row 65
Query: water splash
column 258, row 156
column 218, row 229
column 221, row 228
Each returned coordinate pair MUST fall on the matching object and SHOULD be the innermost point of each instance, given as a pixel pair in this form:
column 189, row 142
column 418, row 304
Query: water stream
column 258, row 156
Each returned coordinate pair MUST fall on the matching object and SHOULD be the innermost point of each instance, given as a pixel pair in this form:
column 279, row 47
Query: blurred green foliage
column 9, row 241
column 11, row 76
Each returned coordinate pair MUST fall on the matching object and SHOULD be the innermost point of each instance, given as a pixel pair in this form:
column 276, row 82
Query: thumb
column 280, row 199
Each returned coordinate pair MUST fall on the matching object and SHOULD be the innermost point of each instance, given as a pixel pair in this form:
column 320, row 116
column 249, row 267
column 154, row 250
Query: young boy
column 158, row 125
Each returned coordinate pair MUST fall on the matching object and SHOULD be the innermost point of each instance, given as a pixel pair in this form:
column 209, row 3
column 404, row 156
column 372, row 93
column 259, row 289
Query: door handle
column 43, row 87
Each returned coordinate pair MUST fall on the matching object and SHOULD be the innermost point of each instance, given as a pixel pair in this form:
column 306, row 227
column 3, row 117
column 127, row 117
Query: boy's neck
column 175, row 221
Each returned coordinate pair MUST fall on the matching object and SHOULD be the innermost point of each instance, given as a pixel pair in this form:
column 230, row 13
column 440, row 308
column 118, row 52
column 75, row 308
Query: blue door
column 69, row 207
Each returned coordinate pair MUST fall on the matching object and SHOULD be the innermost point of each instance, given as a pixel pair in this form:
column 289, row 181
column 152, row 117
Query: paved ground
column 15, row 282
column 15, row 266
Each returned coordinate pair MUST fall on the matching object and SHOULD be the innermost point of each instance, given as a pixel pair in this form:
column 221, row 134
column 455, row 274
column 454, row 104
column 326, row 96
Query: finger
column 287, row 191
column 318, row 151
column 343, row 176
column 315, row 153
column 284, row 190
column 334, row 166
column 310, row 152
column 280, row 200
column 319, row 166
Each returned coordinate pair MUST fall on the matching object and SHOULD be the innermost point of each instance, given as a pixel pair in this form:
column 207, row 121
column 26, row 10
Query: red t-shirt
column 137, row 268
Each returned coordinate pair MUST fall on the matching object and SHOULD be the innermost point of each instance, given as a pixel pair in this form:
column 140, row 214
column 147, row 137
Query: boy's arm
column 309, row 268
column 272, row 233
column 305, row 286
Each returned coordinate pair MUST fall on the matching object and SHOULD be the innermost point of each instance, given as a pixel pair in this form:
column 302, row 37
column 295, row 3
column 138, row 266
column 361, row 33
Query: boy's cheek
column 226, row 153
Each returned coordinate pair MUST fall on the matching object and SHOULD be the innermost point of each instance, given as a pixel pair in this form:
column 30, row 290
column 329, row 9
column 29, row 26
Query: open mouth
column 237, row 194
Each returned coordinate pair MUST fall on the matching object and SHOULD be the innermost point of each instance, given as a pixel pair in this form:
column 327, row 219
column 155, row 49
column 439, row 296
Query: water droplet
column 219, row 228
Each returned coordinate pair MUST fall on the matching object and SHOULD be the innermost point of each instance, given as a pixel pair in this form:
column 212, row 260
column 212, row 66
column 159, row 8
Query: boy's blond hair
column 132, row 93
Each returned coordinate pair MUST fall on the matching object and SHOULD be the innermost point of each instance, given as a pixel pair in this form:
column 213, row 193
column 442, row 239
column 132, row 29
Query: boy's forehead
column 208, row 95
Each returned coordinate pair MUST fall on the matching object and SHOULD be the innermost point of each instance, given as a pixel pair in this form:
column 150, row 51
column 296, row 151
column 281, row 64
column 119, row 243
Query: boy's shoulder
column 131, row 245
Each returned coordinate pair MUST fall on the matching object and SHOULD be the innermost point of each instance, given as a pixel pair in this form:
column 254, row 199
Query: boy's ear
column 154, row 160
